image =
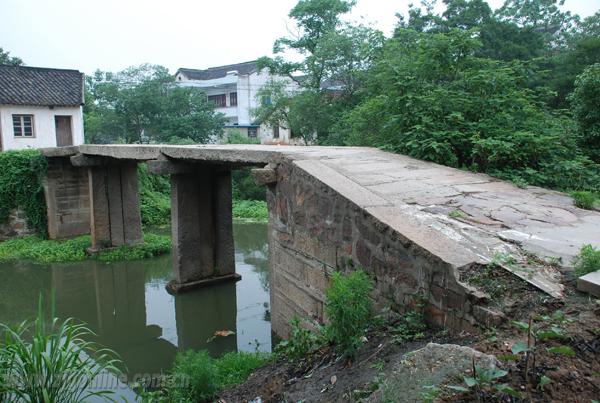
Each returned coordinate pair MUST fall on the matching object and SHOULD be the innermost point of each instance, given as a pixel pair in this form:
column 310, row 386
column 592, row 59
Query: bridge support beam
column 201, row 225
column 114, row 205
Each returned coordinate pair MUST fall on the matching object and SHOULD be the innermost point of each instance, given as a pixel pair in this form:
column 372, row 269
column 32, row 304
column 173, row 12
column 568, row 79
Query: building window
column 275, row 132
column 220, row 101
column 252, row 132
column 23, row 125
column 233, row 99
column 266, row 100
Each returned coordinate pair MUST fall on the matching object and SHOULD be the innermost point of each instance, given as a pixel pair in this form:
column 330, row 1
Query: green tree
column 143, row 104
column 585, row 102
column 6, row 58
column 432, row 97
column 582, row 49
column 336, row 57
column 500, row 39
column 544, row 16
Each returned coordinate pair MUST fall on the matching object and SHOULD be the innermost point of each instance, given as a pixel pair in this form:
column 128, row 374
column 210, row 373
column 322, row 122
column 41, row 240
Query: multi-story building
column 233, row 89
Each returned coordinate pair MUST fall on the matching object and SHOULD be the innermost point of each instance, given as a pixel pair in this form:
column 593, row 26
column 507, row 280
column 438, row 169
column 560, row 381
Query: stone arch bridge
column 419, row 228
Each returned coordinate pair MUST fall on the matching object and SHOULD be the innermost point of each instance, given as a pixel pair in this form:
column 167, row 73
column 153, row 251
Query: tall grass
column 53, row 362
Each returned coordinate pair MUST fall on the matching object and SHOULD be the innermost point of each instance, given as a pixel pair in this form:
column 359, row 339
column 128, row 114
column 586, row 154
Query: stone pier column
column 201, row 225
column 115, row 205
column 224, row 247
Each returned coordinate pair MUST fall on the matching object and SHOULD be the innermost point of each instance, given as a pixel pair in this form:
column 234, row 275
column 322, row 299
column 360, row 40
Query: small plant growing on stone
column 587, row 261
column 412, row 326
column 456, row 214
column 584, row 200
column 299, row 344
column 349, row 310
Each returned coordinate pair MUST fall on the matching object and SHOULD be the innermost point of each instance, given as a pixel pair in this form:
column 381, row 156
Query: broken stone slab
column 431, row 366
column 590, row 283
column 52, row 152
column 264, row 176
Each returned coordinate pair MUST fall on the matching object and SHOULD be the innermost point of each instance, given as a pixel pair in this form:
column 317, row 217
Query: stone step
column 590, row 283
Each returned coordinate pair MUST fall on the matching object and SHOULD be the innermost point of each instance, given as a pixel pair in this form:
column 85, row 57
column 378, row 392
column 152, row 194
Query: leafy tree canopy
column 6, row 58
column 143, row 105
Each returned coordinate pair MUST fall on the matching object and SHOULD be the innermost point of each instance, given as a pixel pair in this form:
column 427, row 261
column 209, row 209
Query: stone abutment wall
column 66, row 189
column 314, row 231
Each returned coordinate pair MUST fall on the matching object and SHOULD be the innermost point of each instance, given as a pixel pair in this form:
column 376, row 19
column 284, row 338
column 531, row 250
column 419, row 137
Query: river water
column 127, row 305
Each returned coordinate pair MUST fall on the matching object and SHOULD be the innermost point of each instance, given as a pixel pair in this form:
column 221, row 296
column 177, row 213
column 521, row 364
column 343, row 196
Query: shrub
column 200, row 373
column 585, row 103
column 197, row 377
column 21, row 186
column 155, row 197
column 254, row 210
column 587, row 261
column 154, row 245
column 73, row 250
column 299, row 344
column 54, row 364
column 236, row 137
column 584, row 200
column 244, row 187
column 234, row 367
column 348, row 308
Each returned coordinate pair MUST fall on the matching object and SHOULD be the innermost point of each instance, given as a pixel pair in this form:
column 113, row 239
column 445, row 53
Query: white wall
column 43, row 123
column 247, row 87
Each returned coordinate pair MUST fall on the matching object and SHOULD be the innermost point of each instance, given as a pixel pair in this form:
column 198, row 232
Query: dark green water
column 127, row 305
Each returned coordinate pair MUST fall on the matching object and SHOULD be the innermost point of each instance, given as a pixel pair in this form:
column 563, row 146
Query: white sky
column 114, row 34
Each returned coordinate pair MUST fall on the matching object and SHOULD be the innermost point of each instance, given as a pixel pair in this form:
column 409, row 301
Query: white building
column 233, row 89
column 40, row 107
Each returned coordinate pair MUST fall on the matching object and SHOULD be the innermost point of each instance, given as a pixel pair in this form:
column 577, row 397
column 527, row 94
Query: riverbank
column 40, row 250
column 35, row 249
column 250, row 211
column 494, row 364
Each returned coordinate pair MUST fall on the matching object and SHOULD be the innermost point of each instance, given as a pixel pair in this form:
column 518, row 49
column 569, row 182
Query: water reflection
column 127, row 305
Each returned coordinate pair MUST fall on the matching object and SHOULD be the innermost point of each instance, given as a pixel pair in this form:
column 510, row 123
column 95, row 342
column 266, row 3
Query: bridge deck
column 462, row 217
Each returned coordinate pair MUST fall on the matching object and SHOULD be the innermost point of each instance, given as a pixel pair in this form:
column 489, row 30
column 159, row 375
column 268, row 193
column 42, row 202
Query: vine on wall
column 21, row 186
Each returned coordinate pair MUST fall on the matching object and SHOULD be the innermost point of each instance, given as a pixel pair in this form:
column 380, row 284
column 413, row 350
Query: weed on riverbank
column 250, row 210
column 197, row 377
column 74, row 250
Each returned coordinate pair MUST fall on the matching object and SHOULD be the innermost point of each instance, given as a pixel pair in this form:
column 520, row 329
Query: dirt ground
column 324, row 377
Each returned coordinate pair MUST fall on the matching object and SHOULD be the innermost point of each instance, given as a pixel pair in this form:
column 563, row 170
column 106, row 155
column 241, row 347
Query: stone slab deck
column 590, row 283
column 462, row 217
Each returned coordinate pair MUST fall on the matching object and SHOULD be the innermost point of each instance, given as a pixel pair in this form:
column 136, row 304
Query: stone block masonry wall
column 313, row 231
column 66, row 189
column 16, row 226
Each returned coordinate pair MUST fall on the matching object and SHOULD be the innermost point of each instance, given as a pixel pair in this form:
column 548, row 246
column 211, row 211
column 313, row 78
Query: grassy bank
column 73, row 250
column 250, row 210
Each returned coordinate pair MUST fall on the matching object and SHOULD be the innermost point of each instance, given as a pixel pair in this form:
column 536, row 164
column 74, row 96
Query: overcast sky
column 114, row 34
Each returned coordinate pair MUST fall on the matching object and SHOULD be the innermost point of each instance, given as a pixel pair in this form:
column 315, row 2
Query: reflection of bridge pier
column 116, row 310
column 112, row 301
column 201, row 313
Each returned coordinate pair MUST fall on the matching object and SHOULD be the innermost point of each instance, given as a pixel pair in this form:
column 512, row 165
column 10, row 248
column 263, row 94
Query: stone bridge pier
column 201, row 223
column 99, row 195
column 114, row 198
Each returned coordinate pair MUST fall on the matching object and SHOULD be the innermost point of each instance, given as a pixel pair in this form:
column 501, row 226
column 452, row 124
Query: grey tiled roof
column 220, row 71
column 21, row 85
